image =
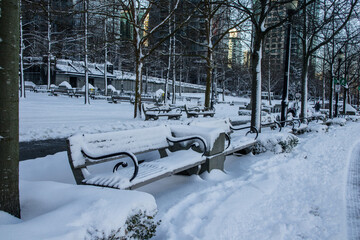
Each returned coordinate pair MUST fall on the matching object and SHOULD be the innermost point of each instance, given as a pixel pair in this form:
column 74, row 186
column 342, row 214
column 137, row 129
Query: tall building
column 274, row 51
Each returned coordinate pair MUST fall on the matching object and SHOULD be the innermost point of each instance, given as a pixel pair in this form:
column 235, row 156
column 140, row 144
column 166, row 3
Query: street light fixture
column 341, row 57
column 290, row 8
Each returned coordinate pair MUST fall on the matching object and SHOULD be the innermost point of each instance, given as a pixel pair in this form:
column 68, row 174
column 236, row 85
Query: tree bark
column 256, row 81
column 9, row 107
column 22, row 81
column 304, row 87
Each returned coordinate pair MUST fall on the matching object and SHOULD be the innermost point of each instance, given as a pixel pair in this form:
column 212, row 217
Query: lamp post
column 341, row 56
column 290, row 8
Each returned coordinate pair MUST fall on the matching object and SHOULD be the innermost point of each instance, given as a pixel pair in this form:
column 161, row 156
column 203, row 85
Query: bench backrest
column 223, row 124
column 134, row 141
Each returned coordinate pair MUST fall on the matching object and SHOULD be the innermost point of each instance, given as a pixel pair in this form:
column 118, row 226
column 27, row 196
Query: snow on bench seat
column 149, row 171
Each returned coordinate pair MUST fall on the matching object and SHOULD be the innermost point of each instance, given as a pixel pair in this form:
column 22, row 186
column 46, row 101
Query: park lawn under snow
column 49, row 117
column 296, row 195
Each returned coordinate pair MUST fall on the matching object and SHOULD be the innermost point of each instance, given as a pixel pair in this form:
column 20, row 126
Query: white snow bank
column 277, row 142
column 337, row 121
column 90, row 87
column 29, row 83
column 112, row 88
column 54, row 210
column 65, row 84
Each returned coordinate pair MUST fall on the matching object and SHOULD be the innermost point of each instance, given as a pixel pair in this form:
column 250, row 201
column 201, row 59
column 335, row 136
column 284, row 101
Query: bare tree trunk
column 209, row 70
column 87, row 100
column 209, row 57
column 180, row 80
column 22, row 80
column 105, row 63
column 323, row 82
column 269, row 85
column 147, row 80
column 9, row 107
column 174, row 65
column 256, row 81
column 304, row 88
column 168, row 73
column 49, row 47
column 139, row 62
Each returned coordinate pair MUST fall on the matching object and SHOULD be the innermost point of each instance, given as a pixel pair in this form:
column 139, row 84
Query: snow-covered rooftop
column 78, row 67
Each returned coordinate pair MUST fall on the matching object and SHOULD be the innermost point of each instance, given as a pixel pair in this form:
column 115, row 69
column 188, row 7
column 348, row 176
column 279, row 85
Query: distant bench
column 119, row 150
column 196, row 111
column 236, row 142
column 154, row 112
column 119, row 98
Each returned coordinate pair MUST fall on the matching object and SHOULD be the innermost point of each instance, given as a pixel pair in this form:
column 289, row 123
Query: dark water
column 42, row 148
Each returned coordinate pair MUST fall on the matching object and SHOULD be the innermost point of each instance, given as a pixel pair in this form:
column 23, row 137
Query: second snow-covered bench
column 116, row 154
column 238, row 142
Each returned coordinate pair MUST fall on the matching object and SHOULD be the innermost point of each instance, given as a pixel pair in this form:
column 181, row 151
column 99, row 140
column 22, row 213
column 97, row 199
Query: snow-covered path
column 297, row 195
column 353, row 195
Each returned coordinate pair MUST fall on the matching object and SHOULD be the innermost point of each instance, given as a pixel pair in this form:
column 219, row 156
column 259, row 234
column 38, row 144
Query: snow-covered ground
column 45, row 117
column 303, row 194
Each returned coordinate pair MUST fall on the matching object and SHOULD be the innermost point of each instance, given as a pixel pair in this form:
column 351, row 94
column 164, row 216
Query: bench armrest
column 252, row 130
column 272, row 125
column 123, row 164
column 188, row 138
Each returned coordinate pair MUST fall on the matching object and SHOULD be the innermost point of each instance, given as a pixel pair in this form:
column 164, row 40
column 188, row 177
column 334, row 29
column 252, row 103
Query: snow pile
column 91, row 87
column 336, row 121
column 317, row 128
column 278, row 142
column 352, row 118
column 30, row 84
column 72, row 212
column 349, row 109
column 52, row 207
column 111, row 87
column 65, row 84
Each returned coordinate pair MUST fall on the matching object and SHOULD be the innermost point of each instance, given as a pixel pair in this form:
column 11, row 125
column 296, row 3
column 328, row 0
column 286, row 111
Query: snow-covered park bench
column 111, row 159
column 238, row 137
column 300, row 125
column 119, row 98
column 154, row 112
column 195, row 111
column 272, row 125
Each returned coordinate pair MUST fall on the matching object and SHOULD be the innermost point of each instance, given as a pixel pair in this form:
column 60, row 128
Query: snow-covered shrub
column 317, row 128
column 138, row 226
column 336, row 121
column 267, row 117
column 275, row 142
column 353, row 118
column 141, row 226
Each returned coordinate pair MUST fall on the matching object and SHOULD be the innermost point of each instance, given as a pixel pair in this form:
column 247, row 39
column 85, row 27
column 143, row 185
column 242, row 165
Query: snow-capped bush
column 141, row 226
column 336, row 121
column 138, row 226
column 317, row 128
column 275, row 142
